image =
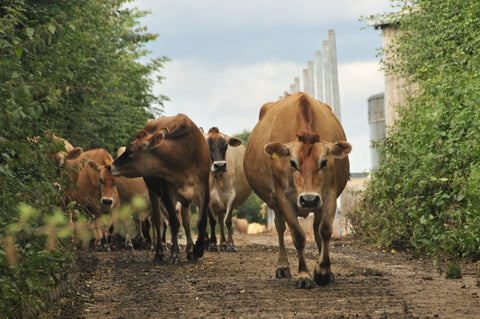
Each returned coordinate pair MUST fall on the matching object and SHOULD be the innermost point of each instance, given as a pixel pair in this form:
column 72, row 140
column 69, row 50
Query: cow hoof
column 174, row 260
column 304, row 283
column 232, row 249
column 283, row 273
column 212, row 248
column 223, row 247
column 160, row 259
column 108, row 249
column 198, row 250
column 190, row 256
column 323, row 279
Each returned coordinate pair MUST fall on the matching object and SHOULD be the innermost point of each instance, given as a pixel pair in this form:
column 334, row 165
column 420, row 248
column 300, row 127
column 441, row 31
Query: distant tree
column 426, row 194
column 244, row 136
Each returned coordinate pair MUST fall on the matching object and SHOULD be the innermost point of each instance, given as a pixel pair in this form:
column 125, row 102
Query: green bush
column 70, row 67
column 426, row 194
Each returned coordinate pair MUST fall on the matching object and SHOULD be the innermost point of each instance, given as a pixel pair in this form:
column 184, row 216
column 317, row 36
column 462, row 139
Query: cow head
column 218, row 144
column 108, row 190
column 310, row 164
column 139, row 157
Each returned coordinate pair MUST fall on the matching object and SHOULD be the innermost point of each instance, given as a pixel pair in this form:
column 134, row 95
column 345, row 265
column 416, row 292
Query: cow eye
column 293, row 164
column 323, row 163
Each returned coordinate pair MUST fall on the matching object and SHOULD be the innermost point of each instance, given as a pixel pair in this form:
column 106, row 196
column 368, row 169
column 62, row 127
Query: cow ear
column 276, row 150
column 141, row 134
column 339, row 149
column 73, row 154
column 156, row 139
column 233, row 141
column 94, row 165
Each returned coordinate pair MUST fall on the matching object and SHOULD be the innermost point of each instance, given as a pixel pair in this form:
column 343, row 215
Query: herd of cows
column 296, row 161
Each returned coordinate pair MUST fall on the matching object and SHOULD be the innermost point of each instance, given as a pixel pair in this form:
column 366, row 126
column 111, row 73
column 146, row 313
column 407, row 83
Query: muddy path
column 368, row 283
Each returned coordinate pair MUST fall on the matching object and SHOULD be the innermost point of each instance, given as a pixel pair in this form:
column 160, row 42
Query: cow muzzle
column 107, row 201
column 219, row 167
column 309, row 200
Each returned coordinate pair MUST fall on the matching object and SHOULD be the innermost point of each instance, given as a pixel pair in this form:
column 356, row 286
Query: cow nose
column 309, row 200
column 219, row 166
column 107, row 201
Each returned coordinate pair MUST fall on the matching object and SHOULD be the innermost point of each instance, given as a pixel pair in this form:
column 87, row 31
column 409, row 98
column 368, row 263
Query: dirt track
column 369, row 284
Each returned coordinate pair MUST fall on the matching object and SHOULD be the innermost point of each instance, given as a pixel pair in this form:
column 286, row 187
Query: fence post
column 319, row 75
column 326, row 73
column 334, row 74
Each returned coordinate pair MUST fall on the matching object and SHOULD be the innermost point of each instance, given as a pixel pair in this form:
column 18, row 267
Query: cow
column 228, row 185
column 296, row 161
column 172, row 156
column 128, row 189
column 92, row 187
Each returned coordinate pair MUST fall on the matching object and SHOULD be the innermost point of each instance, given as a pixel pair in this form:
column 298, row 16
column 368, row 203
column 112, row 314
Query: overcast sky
column 229, row 57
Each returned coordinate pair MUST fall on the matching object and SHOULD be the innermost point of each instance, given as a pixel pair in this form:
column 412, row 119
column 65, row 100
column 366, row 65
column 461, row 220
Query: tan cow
column 171, row 155
column 92, row 187
column 296, row 161
column 228, row 185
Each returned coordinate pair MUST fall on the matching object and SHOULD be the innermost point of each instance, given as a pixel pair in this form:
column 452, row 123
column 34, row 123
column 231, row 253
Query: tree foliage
column 73, row 67
column 78, row 69
column 426, row 194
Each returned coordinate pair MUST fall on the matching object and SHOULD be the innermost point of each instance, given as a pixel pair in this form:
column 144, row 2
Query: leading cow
column 172, row 156
column 296, row 161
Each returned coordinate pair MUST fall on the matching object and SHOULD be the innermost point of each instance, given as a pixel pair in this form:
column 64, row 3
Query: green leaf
column 29, row 32
column 51, row 28
column 18, row 52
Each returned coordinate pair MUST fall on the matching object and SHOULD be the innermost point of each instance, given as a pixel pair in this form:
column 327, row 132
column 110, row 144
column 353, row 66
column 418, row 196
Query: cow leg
column 212, row 243
column 304, row 279
column 323, row 232
column 139, row 229
column 185, row 217
column 156, row 220
column 228, row 222
column 283, row 269
column 98, row 234
column 174, row 224
column 164, row 235
column 221, row 224
column 154, row 236
column 127, row 225
column 198, row 249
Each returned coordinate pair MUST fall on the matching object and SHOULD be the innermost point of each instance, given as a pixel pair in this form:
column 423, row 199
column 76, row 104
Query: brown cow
column 171, row 155
column 92, row 187
column 128, row 188
column 296, row 161
column 228, row 185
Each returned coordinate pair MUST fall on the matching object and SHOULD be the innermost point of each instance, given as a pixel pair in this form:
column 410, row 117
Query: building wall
column 395, row 87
